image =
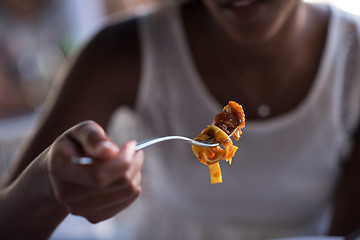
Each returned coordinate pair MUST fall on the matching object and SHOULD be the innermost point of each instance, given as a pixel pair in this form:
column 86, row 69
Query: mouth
column 238, row 3
column 244, row 10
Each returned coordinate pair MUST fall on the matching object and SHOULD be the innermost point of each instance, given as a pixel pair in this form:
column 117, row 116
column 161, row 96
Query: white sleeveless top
column 284, row 173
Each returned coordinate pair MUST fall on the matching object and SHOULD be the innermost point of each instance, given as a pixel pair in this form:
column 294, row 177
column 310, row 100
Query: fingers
column 72, row 190
column 100, row 173
column 100, row 190
column 113, row 198
column 93, row 140
column 105, row 213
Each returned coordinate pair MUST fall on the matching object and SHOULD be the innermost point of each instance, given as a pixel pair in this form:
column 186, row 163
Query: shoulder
column 108, row 62
column 345, row 16
column 345, row 34
column 115, row 40
column 347, row 23
column 339, row 20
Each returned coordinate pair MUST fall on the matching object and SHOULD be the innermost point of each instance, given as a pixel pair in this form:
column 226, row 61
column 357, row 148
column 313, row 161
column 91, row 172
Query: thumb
column 93, row 140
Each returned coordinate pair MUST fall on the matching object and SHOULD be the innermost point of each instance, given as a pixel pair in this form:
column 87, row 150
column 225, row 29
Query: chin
column 252, row 21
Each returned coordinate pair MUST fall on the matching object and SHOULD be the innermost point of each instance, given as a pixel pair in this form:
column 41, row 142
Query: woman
column 289, row 63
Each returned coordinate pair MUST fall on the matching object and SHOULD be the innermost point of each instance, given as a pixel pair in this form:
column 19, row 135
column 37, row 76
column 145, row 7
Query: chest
column 279, row 79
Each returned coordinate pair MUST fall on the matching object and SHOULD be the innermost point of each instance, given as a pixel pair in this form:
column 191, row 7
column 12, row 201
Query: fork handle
column 139, row 146
column 146, row 143
column 151, row 141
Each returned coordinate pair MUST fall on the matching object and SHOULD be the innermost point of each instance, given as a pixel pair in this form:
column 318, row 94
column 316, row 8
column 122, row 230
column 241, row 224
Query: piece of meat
column 228, row 122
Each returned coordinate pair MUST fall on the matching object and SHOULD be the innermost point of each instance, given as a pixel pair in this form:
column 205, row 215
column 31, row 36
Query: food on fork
column 227, row 123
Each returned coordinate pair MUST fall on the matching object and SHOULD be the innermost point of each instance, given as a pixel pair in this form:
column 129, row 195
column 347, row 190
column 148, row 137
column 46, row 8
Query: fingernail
column 111, row 145
column 106, row 145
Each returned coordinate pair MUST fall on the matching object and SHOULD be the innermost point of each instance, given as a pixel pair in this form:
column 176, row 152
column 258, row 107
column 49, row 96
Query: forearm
column 346, row 216
column 32, row 205
column 28, row 209
column 347, row 202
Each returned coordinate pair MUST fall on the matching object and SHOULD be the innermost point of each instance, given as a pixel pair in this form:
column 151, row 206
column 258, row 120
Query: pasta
column 230, row 121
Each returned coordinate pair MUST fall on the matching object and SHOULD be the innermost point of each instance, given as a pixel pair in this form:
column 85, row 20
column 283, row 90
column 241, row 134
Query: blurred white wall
column 85, row 17
column 34, row 51
column 352, row 6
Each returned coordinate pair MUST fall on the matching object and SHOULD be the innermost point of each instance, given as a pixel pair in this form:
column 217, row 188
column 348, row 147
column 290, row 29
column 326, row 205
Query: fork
column 149, row 142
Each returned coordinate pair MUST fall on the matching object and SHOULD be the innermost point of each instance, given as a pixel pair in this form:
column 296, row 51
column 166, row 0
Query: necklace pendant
column 264, row 110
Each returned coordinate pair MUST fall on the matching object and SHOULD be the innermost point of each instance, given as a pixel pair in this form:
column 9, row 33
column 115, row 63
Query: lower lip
column 243, row 10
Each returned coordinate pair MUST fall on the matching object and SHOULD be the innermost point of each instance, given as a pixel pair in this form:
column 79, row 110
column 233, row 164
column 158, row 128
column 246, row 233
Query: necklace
column 263, row 109
column 260, row 102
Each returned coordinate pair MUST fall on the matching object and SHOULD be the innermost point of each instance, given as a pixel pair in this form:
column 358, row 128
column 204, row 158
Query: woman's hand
column 95, row 191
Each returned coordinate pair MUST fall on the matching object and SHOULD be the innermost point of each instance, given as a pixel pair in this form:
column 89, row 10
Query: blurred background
column 36, row 39
column 351, row 6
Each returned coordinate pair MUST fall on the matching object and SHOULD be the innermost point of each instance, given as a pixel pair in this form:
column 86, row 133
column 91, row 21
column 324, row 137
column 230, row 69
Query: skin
column 105, row 75
column 13, row 100
column 52, row 186
column 25, row 9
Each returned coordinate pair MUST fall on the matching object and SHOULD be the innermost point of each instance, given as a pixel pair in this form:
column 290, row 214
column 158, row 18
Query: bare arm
column 53, row 186
column 347, row 203
column 103, row 76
